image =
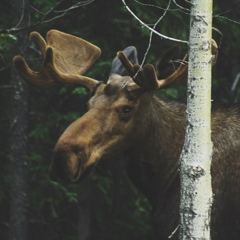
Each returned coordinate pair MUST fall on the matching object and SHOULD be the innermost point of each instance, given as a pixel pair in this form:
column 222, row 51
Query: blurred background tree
column 93, row 210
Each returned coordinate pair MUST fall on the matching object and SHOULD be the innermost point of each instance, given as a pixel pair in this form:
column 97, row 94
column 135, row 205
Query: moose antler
column 146, row 78
column 65, row 59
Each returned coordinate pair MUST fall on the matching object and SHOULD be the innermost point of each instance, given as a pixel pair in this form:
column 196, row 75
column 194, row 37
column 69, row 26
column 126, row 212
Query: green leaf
column 79, row 91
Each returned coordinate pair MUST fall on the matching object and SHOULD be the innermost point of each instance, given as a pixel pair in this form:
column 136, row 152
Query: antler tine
column 65, row 58
column 29, row 75
column 180, row 76
column 134, row 71
column 126, row 63
column 42, row 79
column 176, row 78
column 214, row 52
column 147, row 79
column 39, row 41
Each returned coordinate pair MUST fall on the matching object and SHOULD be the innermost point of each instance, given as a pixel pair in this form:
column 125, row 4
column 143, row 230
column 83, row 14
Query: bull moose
column 125, row 119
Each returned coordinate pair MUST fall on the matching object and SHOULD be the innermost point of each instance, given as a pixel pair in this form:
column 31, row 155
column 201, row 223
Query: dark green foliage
column 55, row 209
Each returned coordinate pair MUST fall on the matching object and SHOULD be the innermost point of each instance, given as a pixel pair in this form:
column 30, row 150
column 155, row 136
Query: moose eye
column 126, row 112
column 126, row 109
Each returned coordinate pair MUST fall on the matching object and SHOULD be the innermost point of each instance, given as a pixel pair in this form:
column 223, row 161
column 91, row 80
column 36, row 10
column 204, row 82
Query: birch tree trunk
column 196, row 190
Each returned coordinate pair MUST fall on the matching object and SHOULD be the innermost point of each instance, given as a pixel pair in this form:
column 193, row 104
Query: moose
column 127, row 121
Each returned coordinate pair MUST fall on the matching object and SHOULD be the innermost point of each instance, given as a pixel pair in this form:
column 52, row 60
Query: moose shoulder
column 124, row 117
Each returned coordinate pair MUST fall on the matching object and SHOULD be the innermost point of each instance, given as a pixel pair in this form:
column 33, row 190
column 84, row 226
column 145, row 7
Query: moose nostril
column 77, row 169
column 66, row 164
column 58, row 167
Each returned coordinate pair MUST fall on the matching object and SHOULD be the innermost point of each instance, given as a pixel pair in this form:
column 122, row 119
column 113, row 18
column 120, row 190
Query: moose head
column 115, row 119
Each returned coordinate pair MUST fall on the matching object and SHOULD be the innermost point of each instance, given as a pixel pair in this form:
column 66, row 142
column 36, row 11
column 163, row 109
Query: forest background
column 100, row 207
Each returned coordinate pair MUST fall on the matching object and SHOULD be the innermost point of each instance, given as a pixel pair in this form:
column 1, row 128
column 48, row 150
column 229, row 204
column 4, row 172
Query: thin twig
column 226, row 18
column 151, row 33
column 149, row 5
column 175, row 230
column 50, row 10
column 151, row 29
column 77, row 5
column 22, row 16
column 45, row 15
column 161, row 8
column 221, row 36
column 180, row 7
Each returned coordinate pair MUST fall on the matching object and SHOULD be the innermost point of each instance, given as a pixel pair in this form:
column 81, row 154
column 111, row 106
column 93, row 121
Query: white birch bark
column 196, row 190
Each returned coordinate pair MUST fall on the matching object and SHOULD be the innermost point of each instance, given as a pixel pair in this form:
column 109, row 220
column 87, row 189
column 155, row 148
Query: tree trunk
column 18, row 135
column 196, row 190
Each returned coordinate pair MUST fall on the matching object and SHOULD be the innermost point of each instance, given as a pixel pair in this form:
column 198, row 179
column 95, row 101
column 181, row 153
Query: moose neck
column 153, row 160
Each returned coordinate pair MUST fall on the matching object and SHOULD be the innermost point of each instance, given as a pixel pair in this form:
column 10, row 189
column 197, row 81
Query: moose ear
column 118, row 68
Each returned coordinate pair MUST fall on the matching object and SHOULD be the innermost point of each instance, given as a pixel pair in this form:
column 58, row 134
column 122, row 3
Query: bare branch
column 221, row 36
column 174, row 231
column 151, row 33
column 151, row 29
column 77, row 5
column 161, row 8
column 150, row 37
column 62, row 13
column 182, row 8
column 51, row 10
column 45, row 19
column 21, row 18
column 228, row 19
column 49, row 20
column 149, row 5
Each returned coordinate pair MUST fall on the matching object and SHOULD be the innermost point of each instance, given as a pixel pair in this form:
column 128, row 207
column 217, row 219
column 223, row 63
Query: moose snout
column 65, row 165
